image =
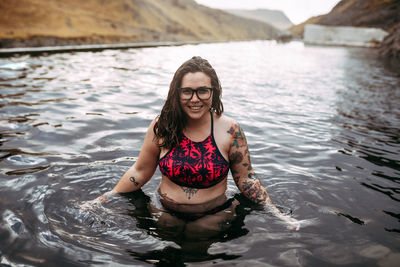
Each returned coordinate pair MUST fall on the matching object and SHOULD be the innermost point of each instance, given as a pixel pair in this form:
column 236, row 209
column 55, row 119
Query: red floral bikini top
column 195, row 164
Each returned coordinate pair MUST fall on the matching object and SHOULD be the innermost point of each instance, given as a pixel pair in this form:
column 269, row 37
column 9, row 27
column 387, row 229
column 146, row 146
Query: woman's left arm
column 242, row 171
column 245, row 177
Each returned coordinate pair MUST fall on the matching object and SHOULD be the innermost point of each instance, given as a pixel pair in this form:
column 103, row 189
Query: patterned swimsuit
column 195, row 164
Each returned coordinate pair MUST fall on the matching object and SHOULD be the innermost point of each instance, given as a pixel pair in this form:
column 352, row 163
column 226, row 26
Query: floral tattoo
column 239, row 139
column 254, row 191
column 165, row 197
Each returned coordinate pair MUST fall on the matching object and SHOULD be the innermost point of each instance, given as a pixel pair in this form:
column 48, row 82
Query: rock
column 283, row 37
column 390, row 48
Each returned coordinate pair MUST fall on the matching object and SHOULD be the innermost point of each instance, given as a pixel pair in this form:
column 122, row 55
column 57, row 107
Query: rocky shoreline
column 41, row 41
column 389, row 50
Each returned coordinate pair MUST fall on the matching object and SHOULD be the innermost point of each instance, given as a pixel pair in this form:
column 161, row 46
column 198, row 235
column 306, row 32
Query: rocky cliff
column 62, row 22
column 384, row 14
column 390, row 48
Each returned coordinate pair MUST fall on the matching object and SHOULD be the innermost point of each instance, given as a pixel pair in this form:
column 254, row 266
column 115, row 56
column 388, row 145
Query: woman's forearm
column 253, row 189
column 132, row 180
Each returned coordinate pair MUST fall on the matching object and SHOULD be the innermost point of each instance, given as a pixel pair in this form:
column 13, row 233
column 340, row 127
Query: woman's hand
column 107, row 196
column 89, row 205
column 292, row 223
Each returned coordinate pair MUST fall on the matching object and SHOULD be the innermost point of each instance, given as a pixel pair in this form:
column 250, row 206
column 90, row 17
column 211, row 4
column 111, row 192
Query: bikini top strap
column 212, row 124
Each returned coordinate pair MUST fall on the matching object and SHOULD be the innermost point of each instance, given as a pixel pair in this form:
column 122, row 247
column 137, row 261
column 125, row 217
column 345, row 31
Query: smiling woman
column 195, row 145
column 321, row 124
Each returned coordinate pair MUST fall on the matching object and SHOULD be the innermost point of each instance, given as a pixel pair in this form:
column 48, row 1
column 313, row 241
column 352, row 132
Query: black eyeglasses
column 203, row 93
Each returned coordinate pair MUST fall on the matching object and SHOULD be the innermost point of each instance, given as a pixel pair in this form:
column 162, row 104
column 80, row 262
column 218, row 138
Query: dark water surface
column 323, row 126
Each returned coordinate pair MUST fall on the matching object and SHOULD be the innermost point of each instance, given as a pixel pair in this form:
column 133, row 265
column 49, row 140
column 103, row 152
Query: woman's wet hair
column 172, row 120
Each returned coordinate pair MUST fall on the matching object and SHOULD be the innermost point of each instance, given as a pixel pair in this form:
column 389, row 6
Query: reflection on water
column 323, row 128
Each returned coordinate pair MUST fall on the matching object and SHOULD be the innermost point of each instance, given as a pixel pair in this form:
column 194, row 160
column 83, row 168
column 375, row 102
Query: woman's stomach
column 188, row 199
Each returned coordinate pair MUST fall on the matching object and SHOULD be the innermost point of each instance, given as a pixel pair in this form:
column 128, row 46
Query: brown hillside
column 382, row 14
column 59, row 22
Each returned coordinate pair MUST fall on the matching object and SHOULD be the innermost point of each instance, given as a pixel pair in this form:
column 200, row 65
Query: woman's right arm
column 142, row 170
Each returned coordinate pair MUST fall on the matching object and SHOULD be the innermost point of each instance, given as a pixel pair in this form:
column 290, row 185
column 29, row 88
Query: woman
column 195, row 145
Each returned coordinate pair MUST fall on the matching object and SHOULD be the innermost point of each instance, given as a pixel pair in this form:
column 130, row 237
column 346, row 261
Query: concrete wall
column 343, row 35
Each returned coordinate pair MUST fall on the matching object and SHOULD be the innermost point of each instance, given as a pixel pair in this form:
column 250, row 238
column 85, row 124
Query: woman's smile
column 194, row 107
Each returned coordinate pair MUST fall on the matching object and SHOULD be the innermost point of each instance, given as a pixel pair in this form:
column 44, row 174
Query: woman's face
column 195, row 107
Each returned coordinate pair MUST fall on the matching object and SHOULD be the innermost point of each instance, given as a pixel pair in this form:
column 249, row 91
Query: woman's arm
column 142, row 170
column 245, row 177
column 242, row 171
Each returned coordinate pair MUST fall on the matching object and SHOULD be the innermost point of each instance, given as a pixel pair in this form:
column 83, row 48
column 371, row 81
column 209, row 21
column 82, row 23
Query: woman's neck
column 199, row 126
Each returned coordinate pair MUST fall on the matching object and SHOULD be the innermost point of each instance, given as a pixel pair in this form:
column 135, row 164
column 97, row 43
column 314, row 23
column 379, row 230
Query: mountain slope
column 276, row 18
column 58, row 22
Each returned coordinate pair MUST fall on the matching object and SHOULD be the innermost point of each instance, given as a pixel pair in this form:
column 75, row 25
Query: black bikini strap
column 212, row 124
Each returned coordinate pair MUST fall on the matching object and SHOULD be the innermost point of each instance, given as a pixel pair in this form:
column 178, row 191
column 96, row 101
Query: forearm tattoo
column 255, row 191
column 133, row 180
column 190, row 192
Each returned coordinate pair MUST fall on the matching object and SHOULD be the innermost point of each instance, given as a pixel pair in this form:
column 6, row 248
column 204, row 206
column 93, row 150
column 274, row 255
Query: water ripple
column 322, row 125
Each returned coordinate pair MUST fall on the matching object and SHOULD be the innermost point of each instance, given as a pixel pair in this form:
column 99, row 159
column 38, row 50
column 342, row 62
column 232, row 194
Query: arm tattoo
column 133, row 180
column 236, row 155
column 235, row 158
column 236, row 176
column 254, row 191
column 252, row 176
column 238, row 141
column 242, row 171
column 238, row 135
column 189, row 191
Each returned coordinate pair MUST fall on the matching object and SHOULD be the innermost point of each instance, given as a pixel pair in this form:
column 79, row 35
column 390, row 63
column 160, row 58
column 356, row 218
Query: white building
column 343, row 35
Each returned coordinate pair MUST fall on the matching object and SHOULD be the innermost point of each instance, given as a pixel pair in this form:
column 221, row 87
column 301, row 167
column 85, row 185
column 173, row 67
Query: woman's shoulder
column 227, row 125
column 151, row 130
column 152, row 123
column 225, row 122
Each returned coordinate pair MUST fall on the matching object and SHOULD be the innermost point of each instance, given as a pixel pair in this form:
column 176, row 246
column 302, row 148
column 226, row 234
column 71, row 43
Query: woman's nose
column 194, row 97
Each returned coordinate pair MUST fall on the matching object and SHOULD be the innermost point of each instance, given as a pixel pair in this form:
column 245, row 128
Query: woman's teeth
column 195, row 107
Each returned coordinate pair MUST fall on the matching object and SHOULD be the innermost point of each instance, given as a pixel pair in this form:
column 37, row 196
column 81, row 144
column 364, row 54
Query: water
column 322, row 124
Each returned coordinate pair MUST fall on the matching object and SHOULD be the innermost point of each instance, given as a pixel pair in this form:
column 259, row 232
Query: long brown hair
column 172, row 119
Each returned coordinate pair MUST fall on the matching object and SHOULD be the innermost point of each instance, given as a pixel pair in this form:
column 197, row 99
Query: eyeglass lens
column 203, row 93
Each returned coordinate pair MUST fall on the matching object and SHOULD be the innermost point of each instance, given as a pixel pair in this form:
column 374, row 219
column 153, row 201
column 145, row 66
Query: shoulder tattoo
column 237, row 135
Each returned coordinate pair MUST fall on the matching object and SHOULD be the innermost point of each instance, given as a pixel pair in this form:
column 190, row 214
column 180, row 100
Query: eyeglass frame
column 195, row 90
